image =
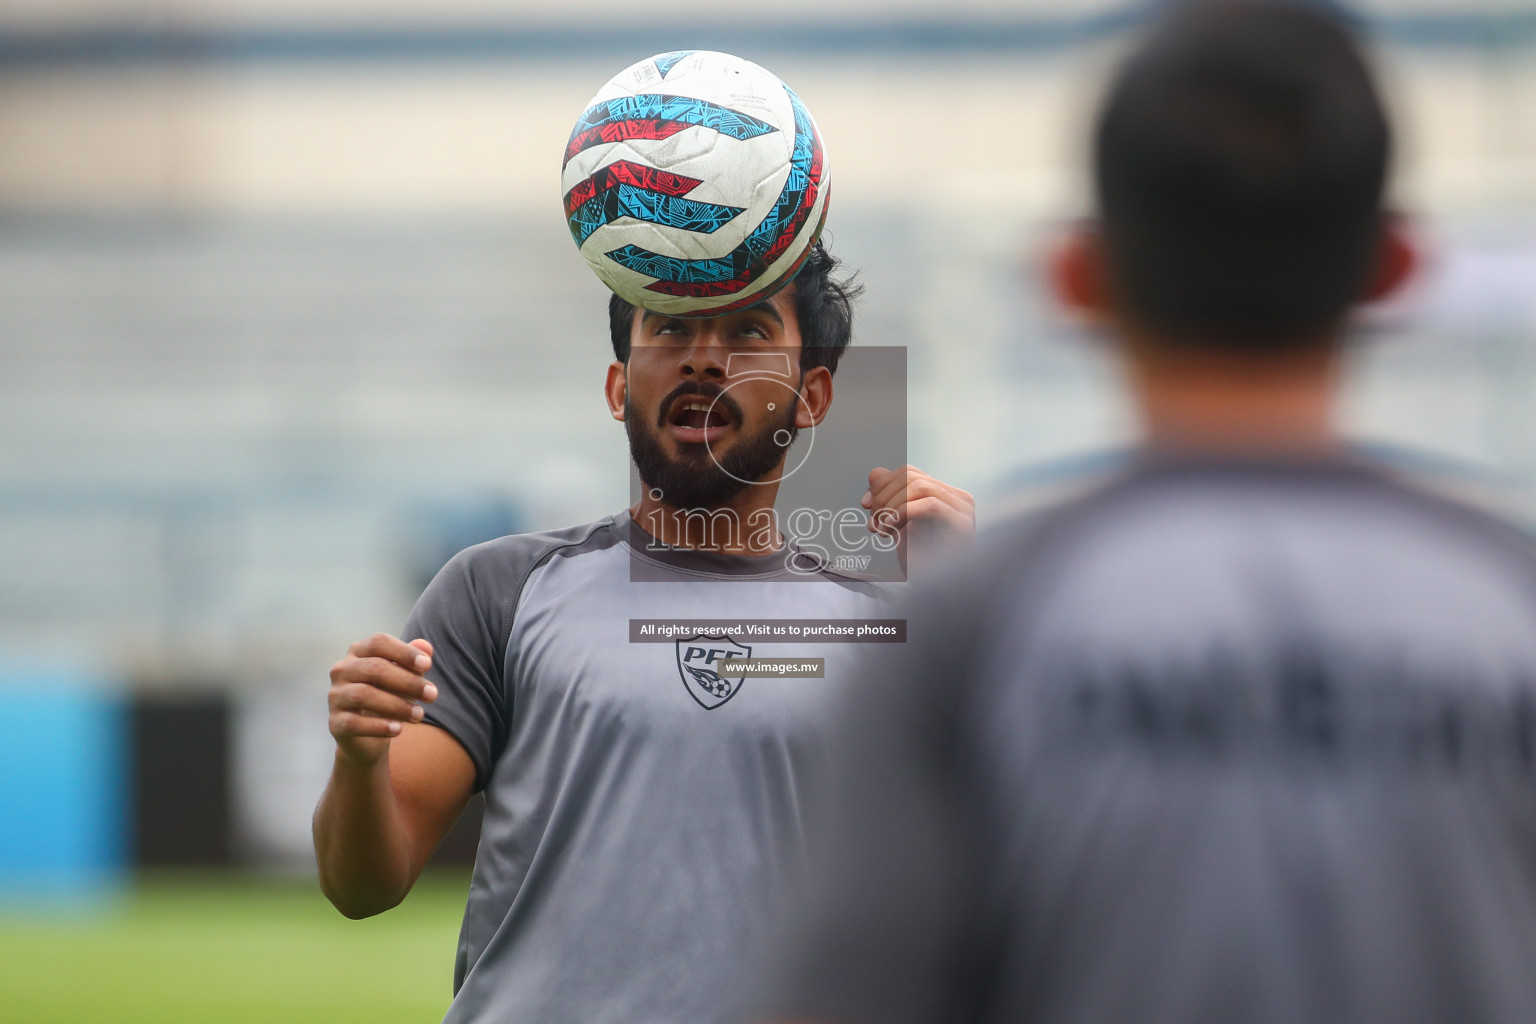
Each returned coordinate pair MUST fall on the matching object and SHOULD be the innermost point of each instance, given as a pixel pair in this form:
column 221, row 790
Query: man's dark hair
column 1240, row 162
column 823, row 308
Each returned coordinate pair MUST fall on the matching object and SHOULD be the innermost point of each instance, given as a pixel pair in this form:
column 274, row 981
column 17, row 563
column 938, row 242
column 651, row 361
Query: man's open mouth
column 696, row 419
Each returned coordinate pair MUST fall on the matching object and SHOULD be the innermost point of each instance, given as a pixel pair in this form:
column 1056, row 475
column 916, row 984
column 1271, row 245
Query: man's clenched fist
column 374, row 690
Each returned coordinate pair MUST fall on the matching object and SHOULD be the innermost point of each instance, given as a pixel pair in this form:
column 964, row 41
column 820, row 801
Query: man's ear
column 615, row 389
column 1079, row 274
column 815, row 397
column 1397, row 259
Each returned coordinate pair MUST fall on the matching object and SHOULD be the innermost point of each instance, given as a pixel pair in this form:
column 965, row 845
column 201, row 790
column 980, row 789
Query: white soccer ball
column 695, row 183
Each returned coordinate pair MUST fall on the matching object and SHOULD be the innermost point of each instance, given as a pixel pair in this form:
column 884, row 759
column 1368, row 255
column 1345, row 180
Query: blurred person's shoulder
column 1470, row 495
column 1028, row 492
column 1479, row 496
column 1140, row 501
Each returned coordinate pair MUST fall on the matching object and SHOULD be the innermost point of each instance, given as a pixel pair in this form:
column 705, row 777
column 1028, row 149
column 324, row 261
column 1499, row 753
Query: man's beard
column 695, row 479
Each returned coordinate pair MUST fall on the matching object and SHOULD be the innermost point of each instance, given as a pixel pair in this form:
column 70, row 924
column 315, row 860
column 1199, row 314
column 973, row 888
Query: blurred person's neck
column 1199, row 401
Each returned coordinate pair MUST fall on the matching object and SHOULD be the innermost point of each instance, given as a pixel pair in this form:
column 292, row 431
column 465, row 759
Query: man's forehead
column 779, row 306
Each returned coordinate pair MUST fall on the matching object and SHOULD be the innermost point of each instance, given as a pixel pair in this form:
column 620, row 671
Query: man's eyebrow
column 647, row 315
column 764, row 307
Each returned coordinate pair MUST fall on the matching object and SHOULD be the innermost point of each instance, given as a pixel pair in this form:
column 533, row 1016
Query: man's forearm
column 362, row 842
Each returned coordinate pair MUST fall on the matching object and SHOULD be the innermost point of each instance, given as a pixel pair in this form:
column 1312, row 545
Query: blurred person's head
column 702, row 431
column 1240, row 163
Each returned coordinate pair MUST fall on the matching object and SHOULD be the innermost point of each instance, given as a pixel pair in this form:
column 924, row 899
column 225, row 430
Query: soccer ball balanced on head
column 695, row 183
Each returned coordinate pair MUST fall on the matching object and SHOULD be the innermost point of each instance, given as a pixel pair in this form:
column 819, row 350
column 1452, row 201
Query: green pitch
column 193, row 950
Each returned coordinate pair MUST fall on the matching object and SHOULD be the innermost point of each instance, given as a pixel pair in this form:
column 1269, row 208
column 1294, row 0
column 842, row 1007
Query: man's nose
column 704, row 358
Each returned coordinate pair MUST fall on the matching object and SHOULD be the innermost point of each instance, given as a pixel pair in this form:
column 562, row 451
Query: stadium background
column 288, row 314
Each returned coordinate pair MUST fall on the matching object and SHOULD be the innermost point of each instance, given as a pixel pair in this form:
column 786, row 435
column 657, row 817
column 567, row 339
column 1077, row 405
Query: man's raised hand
column 928, row 515
column 374, row 690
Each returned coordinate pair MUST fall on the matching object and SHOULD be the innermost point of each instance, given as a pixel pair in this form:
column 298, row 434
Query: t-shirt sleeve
column 462, row 614
column 885, row 933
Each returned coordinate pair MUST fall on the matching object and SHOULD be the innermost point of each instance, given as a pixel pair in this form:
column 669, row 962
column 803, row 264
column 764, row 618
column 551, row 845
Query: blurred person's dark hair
column 1240, row 163
column 824, row 301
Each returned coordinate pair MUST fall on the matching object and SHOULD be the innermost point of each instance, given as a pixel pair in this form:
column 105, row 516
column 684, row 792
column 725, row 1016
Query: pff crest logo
column 697, row 660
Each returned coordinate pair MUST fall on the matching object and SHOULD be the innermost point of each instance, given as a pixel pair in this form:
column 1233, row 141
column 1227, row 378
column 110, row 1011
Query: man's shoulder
column 874, row 587
column 493, row 572
column 526, row 550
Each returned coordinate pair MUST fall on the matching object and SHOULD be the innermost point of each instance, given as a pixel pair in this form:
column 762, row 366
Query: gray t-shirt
column 1220, row 742
column 642, row 812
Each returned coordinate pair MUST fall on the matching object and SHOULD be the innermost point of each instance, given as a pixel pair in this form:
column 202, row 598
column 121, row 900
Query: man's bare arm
column 396, row 786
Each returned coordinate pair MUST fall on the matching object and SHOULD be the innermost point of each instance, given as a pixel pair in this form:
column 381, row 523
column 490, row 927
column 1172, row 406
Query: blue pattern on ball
column 756, row 244
column 651, row 207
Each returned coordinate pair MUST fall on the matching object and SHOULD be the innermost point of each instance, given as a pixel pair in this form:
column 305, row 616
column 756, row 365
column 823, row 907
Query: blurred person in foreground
column 639, row 827
column 1248, row 734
